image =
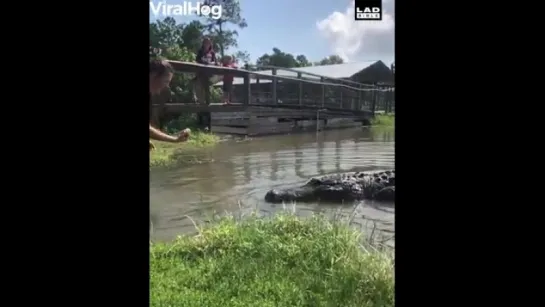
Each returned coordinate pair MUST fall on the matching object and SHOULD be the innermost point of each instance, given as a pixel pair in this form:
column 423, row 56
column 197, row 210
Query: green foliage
column 192, row 35
column 282, row 59
column 224, row 38
column 242, row 57
column 180, row 123
column 330, row 60
column 166, row 33
column 284, row 261
column 386, row 120
column 302, row 61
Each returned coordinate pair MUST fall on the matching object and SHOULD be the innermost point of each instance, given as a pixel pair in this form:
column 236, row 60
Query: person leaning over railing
column 160, row 75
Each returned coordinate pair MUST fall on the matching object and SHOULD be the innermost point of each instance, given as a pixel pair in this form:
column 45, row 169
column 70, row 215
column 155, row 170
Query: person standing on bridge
column 160, row 75
column 228, row 61
column 205, row 56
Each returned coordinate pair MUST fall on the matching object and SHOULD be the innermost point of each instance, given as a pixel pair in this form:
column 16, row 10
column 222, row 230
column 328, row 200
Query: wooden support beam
column 274, row 87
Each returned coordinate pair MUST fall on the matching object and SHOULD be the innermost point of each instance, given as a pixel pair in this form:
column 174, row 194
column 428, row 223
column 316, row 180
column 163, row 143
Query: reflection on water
column 241, row 173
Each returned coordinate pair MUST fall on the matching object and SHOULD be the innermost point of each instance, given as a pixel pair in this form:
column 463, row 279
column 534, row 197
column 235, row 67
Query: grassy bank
column 384, row 120
column 283, row 261
column 166, row 154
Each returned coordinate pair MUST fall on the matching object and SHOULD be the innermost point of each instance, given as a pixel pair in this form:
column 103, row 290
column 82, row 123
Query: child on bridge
column 228, row 61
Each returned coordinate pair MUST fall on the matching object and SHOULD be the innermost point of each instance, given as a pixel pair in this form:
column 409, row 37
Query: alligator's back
column 360, row 177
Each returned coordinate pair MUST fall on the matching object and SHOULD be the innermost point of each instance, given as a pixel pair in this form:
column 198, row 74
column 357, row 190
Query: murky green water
column 239, row 174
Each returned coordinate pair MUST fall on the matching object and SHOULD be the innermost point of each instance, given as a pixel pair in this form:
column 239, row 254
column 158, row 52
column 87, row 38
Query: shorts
column 202, row 80
column 227, row 87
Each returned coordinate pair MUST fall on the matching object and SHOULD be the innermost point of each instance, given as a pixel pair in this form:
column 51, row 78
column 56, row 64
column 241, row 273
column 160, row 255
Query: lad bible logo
column 368, row 9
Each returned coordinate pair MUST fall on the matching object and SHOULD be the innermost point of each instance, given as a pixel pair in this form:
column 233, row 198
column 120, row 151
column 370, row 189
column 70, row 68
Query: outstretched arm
column 158, row 135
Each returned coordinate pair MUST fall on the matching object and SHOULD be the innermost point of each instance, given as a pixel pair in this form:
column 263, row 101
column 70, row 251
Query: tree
column 287, row 60
column 302, row 61
column 330, row 60
column 282, row 59
column 217, row 28
column 165, row 33
column 192, row 35
column 242, row 57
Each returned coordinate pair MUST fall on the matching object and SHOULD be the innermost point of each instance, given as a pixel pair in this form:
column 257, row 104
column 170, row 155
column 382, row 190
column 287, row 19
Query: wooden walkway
column 290, row 105
column 239, row 107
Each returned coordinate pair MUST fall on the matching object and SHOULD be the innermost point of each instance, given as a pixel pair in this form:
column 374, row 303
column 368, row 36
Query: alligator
column 340, row 187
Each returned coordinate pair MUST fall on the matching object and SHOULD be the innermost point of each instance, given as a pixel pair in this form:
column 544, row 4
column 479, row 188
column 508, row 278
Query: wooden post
column 317, row 120
column 374, row 99
column 359, row 96
column 387, row 100
column 300, row 88
column 379, row 103
column 207, row 92
column 258, row 90
column 323, row 92
column 246, row 91
column 274, row 84
column 393, row 100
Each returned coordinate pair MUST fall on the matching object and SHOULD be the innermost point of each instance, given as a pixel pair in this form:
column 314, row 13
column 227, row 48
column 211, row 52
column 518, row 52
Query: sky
column 314, row 28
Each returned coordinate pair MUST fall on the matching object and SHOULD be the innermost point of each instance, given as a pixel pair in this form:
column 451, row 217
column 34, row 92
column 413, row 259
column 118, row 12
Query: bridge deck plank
column 194, row 107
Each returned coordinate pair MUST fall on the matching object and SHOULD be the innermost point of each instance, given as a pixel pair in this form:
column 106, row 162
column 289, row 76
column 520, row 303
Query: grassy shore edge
column 383, row 120
column 278, row 261
column 167, row 154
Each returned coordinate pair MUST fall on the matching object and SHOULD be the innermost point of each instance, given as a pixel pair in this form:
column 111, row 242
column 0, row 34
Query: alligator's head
column 330, row 189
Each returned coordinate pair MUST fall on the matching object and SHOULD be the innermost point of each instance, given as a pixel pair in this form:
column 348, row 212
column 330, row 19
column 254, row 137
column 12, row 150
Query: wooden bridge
column 282, row 100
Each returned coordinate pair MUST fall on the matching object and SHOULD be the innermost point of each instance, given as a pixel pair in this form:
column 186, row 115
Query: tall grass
column 278, row 261
column 384, row 120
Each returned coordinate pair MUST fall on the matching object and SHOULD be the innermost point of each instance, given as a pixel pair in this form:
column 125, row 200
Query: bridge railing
column 284, row 86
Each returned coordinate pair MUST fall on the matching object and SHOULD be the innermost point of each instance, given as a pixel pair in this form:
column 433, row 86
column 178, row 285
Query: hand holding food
column 184, row 135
